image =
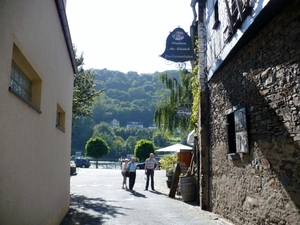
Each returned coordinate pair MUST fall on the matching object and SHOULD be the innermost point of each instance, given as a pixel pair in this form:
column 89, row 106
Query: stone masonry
column 262, row 186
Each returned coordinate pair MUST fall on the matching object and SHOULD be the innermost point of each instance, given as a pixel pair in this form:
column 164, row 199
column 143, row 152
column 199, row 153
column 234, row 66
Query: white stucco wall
column 34, row 154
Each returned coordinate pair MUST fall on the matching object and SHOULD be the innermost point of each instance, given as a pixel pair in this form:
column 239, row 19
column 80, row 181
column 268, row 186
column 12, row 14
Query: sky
column 126, row 35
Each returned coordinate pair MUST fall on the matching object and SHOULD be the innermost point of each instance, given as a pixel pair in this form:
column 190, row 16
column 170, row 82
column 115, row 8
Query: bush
column 168, row 161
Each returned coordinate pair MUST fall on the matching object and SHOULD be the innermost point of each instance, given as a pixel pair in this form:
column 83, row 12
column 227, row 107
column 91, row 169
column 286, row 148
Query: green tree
column 82, row 135
column 160, row 139
column 96, row 147
column 180, row 94
column 143, row 148
column 130, row 144
column 117, row 146
column 103, row 127
column 84, row 92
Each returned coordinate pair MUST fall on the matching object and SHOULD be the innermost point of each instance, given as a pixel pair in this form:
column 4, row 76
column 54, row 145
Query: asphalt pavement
column 97, row 198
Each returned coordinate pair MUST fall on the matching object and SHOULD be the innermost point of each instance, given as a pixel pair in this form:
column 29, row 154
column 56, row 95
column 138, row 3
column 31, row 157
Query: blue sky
column 126, row 35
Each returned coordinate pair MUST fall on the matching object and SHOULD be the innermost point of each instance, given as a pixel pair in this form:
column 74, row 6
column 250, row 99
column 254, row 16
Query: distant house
column 134, row 124
column 153, row 126
column 115, row 123
column 36, row 89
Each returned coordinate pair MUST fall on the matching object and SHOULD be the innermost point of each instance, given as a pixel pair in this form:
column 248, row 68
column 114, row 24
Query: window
column 237, row 133
column 19, row 82
column 24, row 81
column 217, row 21
column 231, row 133
column 60, row 118
column 237, row 11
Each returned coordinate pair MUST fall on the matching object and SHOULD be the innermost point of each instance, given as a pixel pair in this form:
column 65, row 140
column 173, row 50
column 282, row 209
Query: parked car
column 82, row 162
column 72, row 168
column 140, row 166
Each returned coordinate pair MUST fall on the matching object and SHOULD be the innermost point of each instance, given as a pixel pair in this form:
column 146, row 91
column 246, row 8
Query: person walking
column 123, row 171
column 131, row 167
column 150, row 165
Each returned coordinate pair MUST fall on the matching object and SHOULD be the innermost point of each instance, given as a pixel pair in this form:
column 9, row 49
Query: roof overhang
column 61, row 9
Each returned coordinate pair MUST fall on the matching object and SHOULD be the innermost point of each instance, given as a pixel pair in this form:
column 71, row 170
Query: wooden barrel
column 188, row 188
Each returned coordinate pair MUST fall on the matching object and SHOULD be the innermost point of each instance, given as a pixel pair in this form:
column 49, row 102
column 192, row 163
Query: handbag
column 127, row 172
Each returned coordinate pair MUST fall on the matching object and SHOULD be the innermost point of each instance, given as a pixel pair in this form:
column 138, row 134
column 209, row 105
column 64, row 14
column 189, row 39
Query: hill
column 129, row 97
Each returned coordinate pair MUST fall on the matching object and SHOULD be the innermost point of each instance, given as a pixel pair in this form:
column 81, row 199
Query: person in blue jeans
column 131, row 167
column 150, row 165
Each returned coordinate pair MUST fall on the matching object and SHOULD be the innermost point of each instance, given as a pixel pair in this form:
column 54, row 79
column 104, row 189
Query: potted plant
column 170, row 175
column 187, row 186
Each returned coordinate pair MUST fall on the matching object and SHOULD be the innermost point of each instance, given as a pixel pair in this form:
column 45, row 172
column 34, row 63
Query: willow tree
column 180, row 94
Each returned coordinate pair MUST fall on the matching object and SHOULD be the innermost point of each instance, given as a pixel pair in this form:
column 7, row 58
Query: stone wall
column 262, row 186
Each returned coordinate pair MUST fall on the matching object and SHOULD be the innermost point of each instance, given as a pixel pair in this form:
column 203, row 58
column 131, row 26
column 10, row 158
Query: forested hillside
column 126, row 97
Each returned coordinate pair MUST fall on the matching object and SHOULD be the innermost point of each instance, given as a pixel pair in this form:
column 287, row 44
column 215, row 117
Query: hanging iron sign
column 183, row 112
column 179, row 47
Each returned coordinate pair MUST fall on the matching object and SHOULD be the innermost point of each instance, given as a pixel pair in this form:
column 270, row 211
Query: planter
column 72, row 170
column 188, row 188
column 170, row 177
column 169, row 183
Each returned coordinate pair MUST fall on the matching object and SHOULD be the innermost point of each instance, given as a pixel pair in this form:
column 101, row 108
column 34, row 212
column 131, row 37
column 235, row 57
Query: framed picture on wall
column 241, row 133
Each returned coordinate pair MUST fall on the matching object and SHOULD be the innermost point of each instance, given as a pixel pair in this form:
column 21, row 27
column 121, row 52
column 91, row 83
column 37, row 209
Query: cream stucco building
column 36, row 83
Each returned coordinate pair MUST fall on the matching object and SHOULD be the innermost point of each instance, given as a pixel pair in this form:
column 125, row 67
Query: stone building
column 36, row 90
column 249, row 136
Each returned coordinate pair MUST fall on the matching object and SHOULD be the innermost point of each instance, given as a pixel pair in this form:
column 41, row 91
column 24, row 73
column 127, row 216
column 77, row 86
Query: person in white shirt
column 123, row 171
column 150, row 166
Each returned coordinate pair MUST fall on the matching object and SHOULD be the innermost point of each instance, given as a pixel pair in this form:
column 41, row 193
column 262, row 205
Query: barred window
column 20, row 83
column 24, row 80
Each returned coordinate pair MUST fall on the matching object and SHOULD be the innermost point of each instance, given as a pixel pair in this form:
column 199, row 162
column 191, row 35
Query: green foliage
column 81, row 133
column 96, row 147
column 143, row 148
column 84, row 92
column 195, row 90
column 160, row 139
column 179, row 95
column 128, row 97
column 103, row 127
column 130, row 144
column 168, row 161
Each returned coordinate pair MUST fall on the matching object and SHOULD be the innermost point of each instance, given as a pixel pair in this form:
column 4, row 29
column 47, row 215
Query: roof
column 175, row 148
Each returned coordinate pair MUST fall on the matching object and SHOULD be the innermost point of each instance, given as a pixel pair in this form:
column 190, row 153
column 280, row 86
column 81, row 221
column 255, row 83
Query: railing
column 106, row 165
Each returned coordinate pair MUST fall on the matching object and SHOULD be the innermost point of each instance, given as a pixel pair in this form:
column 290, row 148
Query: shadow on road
column 90, row 211
column 137, row 194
